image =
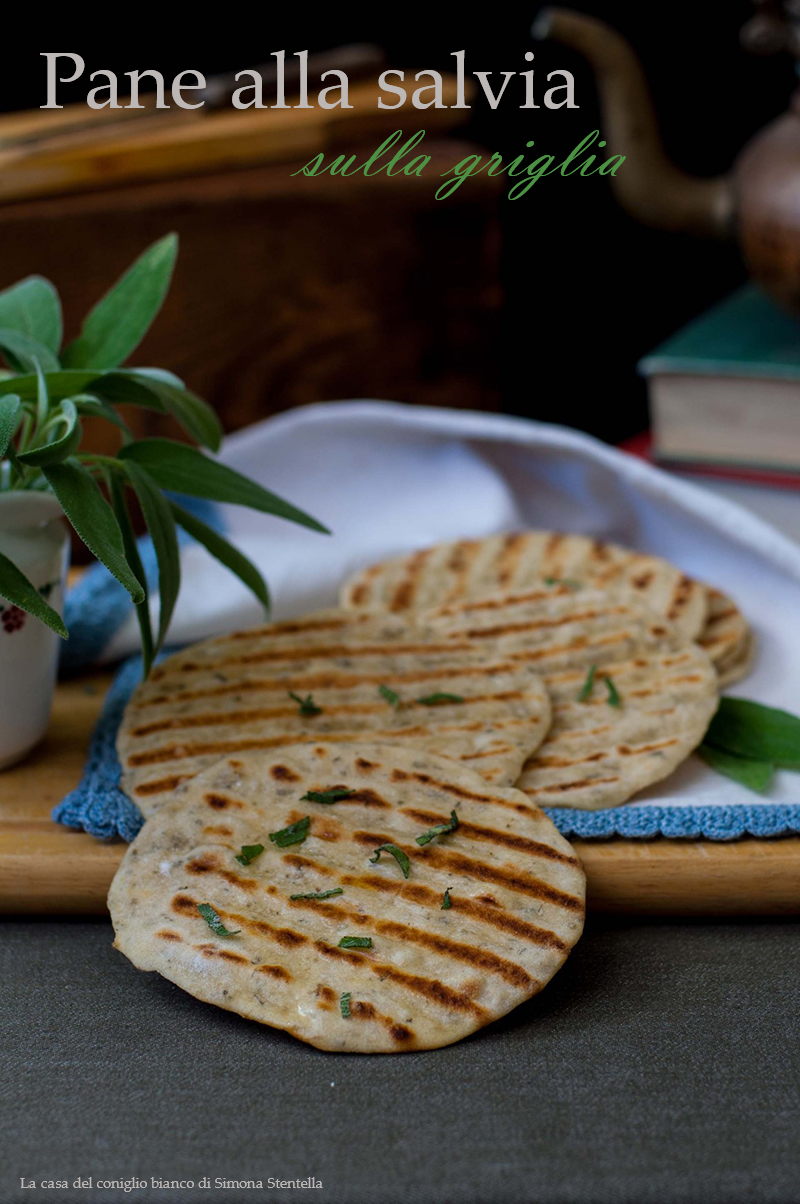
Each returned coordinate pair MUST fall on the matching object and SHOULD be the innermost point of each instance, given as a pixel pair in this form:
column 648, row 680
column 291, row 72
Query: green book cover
column 744, row 335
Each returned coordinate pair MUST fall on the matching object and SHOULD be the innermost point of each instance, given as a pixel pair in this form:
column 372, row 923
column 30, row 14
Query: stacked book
column 725, row 392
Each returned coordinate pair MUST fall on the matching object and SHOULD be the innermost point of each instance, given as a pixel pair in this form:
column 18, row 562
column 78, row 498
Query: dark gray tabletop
column 661, row 1064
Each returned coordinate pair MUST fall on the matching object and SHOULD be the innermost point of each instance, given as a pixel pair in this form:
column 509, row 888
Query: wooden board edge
column 65, row 873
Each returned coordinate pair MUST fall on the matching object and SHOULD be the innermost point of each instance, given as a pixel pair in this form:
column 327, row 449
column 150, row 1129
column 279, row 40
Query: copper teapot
column 757, row 202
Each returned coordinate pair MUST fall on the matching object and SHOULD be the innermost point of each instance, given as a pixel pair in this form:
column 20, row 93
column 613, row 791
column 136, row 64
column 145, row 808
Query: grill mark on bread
column 208, row 864
column 293, row 652
column 426, row 896
column 226, row 719
column 431, row 989
column 181, row 752
column 306, row 863
column 680, row 597
column 459, row 563
column 562, row 787
column 403, row 596
column 579, row 644
column 492, row 963
column 515, row 628
column 219, row 802
column 507, row 559
column 161, row 785
column 505, row 601
column 442, row 945
column 226, row 955
column 509, row 840
column 439, row 858
column 343, row 680
column 185, row 905
column 360, row 1009
column 459, row 792
column 275, row 971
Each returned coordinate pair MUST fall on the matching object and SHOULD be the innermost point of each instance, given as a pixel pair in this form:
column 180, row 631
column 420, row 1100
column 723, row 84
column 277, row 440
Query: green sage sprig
column 46, row 393
column 747, row 742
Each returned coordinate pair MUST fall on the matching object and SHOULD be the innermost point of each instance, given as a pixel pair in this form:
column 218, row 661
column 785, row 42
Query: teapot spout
column 648, row 185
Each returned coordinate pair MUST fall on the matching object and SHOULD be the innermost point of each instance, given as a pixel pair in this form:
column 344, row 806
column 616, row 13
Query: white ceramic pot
column 32, row 534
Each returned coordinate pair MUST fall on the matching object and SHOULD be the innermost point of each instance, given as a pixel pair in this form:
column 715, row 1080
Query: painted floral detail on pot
column 12, row 618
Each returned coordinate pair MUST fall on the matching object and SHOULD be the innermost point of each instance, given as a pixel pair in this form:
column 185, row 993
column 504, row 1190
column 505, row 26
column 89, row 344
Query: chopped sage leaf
column 344, row 1005
column 321, row 894
column 613, row 696
column 334, row 795
column 306, row 706
column 446, row 904
column 438, row 700
column 293, row 834
column 755, row 775
column 398, row 854
column 562, row 581
column 760, row 733
column 588, row 685
column 214, row 922
column 249, row 853
column 439, row 830
column 390, row 695
column 355, row 942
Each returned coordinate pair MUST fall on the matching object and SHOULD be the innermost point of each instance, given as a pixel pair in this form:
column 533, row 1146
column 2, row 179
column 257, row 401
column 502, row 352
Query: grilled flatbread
column 727, row 638
column 607, row 741
column 234, row 694
column 432, row 974
column 471, row 568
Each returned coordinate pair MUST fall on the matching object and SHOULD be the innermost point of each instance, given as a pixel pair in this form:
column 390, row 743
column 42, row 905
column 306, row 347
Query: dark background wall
column 587, row 289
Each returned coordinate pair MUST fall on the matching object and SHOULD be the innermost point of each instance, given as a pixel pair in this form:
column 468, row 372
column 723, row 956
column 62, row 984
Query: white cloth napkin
column 387, row 478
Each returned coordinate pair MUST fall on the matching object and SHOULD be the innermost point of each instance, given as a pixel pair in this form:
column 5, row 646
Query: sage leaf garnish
column 33, row 307
column 446, row 904
column 344, row 1005
column 93, row 519
column 438, row 700
column 119, row 321
column 321, row 894
column 755, row 775
column 760, row 733
column 184, row 469
column 562, row 581
column 160, row 524
column 390, row 695
column 334, row 795
column 228, row 556
column 588, row 685
column 249, row 853
column 293, row 834
column 306, row 706
column 214, row 922
column 400, row 857
column 355, row 942
column 613, row 696
column 439, row 830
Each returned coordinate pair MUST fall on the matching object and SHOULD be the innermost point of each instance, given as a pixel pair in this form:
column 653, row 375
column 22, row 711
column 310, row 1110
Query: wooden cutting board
column 46, row 869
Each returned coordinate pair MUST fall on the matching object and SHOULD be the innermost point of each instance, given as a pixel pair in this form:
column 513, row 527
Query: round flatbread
column 487, row 913
column 631, row 696
column 471, row 568
column 332, row 675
